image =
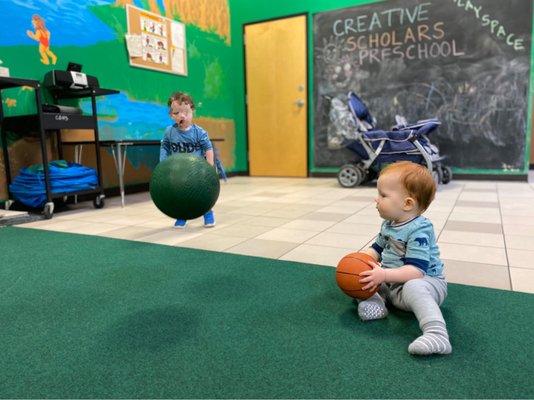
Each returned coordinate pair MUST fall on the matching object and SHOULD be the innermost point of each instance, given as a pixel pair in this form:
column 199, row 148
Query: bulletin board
column 155, row 42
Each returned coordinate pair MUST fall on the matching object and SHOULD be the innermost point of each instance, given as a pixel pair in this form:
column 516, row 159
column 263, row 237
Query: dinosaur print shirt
column 412, row 242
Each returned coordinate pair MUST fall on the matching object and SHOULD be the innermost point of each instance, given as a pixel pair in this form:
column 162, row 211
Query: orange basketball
column 348, row 275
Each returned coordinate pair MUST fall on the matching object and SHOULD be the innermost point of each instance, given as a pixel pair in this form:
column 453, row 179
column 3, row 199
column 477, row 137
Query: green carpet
column 83, row 316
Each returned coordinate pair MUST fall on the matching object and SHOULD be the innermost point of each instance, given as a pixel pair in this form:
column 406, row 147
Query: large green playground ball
column 184, row 186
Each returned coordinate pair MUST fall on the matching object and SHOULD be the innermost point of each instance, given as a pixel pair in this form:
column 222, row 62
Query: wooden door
column 275, row 57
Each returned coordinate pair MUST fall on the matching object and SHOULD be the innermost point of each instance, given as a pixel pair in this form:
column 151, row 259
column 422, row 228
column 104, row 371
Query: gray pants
column 421, row 296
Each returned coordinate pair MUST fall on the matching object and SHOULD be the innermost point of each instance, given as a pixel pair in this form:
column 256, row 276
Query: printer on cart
column 72, row 79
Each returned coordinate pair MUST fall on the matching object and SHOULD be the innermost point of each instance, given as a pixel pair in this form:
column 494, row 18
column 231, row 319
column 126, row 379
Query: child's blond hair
column 416, row 180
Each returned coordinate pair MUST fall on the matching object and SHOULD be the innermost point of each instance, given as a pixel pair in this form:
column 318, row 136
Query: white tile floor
column 485, row 229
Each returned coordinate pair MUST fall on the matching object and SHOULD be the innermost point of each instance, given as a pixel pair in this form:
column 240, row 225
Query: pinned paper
column 134, row 44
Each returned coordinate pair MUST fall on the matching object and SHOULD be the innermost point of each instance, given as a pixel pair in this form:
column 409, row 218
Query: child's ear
column 409, row 203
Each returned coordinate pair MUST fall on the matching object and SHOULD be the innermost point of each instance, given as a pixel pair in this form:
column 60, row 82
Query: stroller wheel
column 446, row 173
column 351, row 175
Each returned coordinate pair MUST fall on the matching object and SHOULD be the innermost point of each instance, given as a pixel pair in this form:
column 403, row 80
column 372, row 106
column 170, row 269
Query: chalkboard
column 466, row 62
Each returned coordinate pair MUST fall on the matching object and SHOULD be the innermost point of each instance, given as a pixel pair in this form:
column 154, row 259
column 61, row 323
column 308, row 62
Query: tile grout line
column 498, row 201
column 75, row 218
column 450, row 212
column 504, row 239
column 263, row 214
column 360, row 209
column 276, row 227
column 318, row 233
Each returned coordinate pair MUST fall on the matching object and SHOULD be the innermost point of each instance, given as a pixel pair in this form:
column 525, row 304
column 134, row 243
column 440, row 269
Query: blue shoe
column 180, row 223
column 209, row 219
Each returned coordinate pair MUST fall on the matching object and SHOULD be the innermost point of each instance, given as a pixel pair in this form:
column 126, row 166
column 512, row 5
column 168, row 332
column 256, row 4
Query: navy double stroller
column 375, row 148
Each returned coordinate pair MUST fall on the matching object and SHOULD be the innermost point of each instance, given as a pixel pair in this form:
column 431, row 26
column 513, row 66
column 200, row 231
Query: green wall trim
column 454, row 170
column 528, row 142
column 489, row 171
column 324, row 170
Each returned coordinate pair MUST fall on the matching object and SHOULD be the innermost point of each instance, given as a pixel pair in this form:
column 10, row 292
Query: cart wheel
column 8, row 204
column 437, row 174
column 446, row 173
column 48, row 210
column 98, row 202
column 351, row 175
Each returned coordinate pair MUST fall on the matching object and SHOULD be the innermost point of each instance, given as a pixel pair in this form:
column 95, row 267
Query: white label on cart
column 79, row 80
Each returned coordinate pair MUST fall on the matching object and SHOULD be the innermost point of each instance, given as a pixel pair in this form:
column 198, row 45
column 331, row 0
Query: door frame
column 306, row 79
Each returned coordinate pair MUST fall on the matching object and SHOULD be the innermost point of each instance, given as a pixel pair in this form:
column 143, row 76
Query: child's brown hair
column 416, row 180
column 181, row 97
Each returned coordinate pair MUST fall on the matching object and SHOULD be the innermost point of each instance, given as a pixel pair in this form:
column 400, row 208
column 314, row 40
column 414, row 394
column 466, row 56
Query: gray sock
column 372, row 308
column 434, row 340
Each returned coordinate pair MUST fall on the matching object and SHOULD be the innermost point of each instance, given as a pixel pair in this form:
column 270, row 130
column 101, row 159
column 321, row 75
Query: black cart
column 48, row 123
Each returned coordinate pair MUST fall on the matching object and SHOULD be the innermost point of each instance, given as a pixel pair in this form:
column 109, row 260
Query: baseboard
column 142, row 187
column 238, row 173
column 491, row 177
column 130, row 189
column 323, row 174
column 478, row 177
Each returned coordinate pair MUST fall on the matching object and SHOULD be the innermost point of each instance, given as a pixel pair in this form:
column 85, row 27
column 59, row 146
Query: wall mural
column 46, row 35
column 42, row 35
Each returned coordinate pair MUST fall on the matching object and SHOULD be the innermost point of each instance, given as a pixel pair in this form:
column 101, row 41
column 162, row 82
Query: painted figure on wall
column 42, row 35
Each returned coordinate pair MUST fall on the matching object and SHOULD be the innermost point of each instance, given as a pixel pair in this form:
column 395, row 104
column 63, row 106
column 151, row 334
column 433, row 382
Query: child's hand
column 373, row 278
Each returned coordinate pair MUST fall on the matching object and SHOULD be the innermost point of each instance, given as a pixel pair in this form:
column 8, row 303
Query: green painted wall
column 209, row 58
column 140, row 111
column 244, row 12
column 216, row 67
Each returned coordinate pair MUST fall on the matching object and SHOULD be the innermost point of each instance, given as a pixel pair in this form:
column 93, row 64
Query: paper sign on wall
column 155, row 42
